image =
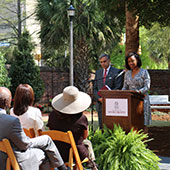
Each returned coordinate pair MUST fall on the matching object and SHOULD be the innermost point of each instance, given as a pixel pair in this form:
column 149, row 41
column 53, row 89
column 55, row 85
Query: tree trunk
column 81, row 65
column 132, row 32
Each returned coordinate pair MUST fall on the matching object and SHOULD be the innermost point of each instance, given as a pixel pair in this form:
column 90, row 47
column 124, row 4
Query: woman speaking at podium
column 138, row 79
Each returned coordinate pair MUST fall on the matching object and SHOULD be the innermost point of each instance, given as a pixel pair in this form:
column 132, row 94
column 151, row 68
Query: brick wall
column 160, row 82
column 56, row 80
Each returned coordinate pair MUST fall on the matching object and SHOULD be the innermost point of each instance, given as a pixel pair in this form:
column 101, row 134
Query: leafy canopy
column 156, row 44
column 91, row 25
column 149, row 11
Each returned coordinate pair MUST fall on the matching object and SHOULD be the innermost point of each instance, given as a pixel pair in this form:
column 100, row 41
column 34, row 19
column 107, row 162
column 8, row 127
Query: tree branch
column 10, row 24
column 28, row 17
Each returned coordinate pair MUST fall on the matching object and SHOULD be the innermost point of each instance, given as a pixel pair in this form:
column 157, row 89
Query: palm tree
column 93, row 32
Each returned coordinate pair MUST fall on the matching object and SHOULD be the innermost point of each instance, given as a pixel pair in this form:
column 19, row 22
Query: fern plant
column 116, row 150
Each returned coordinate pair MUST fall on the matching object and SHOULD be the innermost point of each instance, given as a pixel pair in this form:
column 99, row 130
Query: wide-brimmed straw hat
column 71, row 101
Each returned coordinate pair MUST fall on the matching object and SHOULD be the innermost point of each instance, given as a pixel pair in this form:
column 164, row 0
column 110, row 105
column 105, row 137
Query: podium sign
column 124, row 108
column 116, row 107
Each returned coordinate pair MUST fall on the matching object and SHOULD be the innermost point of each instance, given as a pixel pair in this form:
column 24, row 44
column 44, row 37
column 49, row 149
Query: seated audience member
column 67, row 115
column 29, row 116
column 31, row 154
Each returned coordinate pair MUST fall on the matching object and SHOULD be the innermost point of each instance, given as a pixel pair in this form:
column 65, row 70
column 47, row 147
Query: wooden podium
column 124, row 107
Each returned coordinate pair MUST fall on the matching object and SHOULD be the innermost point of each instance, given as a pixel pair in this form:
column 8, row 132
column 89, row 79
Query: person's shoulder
column 32, row 113
column 115, row 69
column 99, row 70
column 83, row 117
column 54, row 115
column 145, row 71
column 128, row 72
column 34, row 109
column 12, row 111
column 8, row 118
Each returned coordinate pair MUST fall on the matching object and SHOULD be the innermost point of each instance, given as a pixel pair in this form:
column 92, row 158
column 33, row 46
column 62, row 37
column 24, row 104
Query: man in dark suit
column 31, row 154
column 106, row 77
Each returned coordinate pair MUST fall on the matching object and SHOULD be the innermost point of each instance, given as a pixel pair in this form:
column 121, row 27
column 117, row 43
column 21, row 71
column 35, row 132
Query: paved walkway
column 165, row 163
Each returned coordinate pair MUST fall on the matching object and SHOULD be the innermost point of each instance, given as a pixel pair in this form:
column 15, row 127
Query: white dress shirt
column 107, row 70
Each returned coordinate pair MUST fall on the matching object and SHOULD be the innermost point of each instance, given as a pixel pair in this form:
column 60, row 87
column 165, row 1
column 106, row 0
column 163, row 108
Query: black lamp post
column 71, row 13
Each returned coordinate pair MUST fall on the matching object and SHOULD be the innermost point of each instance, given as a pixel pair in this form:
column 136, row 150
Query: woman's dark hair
column 24, row 97
column 139, row 62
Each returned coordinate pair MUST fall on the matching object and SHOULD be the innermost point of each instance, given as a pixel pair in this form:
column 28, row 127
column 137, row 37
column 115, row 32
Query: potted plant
column 116, row 150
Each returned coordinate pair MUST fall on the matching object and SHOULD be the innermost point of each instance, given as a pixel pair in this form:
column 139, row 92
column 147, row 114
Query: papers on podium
column 105, row 87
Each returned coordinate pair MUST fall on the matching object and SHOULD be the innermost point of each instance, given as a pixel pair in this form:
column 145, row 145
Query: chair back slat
column 5, row 146
column 56, row 135
column 66, row 137
column 29, row 132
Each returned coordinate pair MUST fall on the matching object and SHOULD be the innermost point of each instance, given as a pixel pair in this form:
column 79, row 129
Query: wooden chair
column 29, row 132
column 5, row 146
column 66, row 137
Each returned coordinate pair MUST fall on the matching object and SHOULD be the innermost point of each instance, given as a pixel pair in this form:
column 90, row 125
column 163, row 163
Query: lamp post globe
column 71, row 11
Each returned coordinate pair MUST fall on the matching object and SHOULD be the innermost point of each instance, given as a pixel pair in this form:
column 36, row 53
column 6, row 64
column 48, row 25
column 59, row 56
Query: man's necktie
column 104, row 76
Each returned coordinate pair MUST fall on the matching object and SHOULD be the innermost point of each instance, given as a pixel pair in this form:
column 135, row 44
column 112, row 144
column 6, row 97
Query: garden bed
column 161, row 134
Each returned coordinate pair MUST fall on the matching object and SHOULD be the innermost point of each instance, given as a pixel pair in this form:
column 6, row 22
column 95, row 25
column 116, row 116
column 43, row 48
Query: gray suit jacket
column 10, row 128
column 30, row 153
column 112, row 81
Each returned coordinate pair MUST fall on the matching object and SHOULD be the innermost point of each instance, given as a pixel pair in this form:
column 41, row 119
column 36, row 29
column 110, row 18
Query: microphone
column 101, row 78
column 108, row 76
column 123, row 71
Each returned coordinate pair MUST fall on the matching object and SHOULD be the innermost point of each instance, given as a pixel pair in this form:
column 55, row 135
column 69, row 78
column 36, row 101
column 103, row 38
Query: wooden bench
column 159, row 102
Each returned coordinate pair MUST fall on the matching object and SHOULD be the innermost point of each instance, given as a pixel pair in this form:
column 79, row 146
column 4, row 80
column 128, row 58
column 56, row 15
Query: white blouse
column 32, row 118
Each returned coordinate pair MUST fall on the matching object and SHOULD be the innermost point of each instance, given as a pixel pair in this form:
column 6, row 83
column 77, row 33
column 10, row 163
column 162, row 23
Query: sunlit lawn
column 95, row 122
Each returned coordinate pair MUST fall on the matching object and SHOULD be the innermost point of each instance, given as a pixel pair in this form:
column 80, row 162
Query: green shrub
column 116, row 150
column 4, row 79
column 23, row 70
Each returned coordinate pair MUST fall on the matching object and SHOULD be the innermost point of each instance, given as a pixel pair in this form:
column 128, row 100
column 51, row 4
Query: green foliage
column 94, row 32
column 148, row 10
column 55, row 58
column 156, row 42
column 8, row 53
column 116, row 150
column 118, row 56
column 4, row 79
column 154, row 47
column 24, row 70
column 98, row 31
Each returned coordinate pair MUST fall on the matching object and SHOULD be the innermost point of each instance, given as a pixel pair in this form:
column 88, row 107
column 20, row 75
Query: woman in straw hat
column 67, row 115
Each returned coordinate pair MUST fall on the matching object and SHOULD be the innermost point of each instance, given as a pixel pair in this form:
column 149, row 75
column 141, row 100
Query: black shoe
column 92, row 164
column 63, row 167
